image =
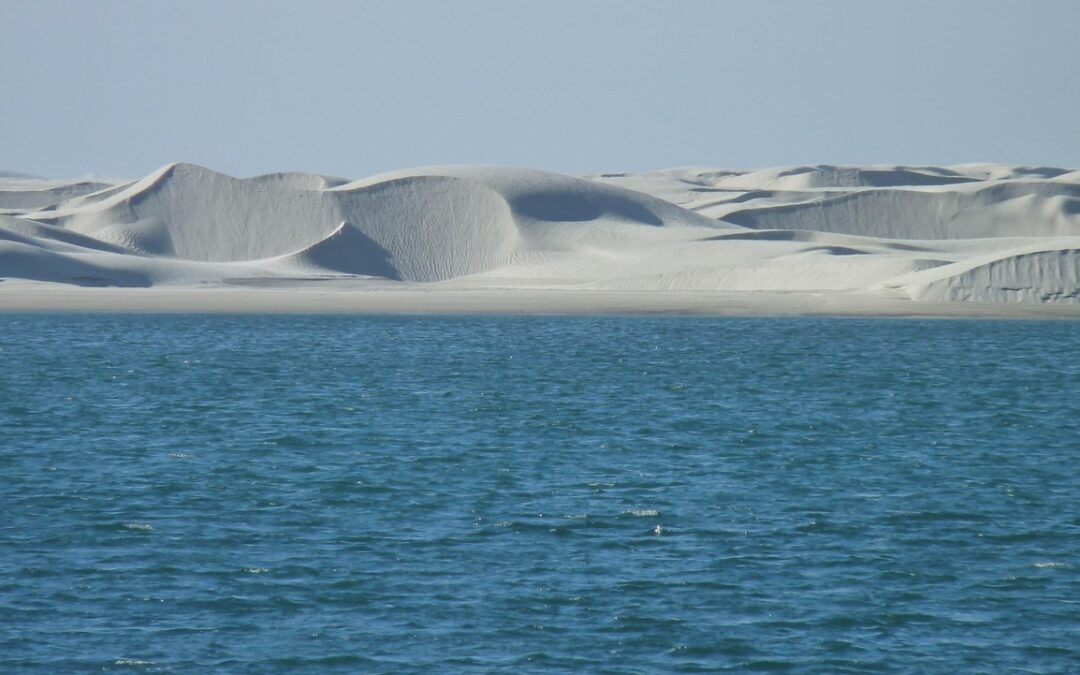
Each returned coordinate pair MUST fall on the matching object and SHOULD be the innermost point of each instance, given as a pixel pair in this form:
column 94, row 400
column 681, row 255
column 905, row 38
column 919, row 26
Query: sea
column 522, row 494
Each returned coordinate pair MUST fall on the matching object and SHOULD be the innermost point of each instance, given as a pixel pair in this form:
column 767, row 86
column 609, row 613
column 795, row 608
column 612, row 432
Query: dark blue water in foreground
column 462, row 494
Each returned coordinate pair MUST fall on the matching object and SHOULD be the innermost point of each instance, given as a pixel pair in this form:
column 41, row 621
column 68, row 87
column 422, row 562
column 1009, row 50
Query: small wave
column 642, row 513
column 144, row 527
column 132, row 662
column 1050, row 564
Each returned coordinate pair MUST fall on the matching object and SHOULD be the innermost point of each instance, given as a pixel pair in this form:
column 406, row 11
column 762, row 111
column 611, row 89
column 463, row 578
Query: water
column 463, row 494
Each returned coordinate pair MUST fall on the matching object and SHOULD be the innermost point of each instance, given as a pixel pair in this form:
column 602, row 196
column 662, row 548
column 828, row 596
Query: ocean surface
column 522, row 494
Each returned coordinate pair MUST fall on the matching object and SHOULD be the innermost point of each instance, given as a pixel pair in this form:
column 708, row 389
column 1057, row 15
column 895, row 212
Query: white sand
column 969, row 240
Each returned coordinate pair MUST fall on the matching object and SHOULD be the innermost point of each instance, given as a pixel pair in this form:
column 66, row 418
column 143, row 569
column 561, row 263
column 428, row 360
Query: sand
column 967, row 240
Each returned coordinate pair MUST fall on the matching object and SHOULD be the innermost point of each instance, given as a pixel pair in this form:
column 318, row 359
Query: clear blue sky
column 120, row 87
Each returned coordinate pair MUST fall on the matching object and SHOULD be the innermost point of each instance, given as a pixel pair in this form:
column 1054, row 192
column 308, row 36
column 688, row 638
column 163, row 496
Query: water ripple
column 499, row 494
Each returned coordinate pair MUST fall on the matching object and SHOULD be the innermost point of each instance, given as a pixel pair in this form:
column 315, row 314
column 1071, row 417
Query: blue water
column 467, row 494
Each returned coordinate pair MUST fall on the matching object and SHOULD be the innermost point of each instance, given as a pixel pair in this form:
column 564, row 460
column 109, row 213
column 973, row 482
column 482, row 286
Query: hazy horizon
column 354, row 89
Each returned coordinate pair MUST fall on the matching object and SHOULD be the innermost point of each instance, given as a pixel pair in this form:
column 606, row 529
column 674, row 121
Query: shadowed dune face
column 537, row 197
column 1010, row 209
column 28, row 195
column 431, row 227
column 349, row 251
column 22, row 261
column 46, row 235
column 766, row 235
column 839, row 177
column 192, row 213
column 561, row 207
column 1051, row 275
column 837, row 250
column 829, row 176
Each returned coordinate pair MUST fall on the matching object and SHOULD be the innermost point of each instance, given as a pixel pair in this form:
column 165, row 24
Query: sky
column 117, row 88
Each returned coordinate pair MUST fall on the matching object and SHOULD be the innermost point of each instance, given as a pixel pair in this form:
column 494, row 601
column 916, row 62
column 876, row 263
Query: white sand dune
column 980, row 233
column 970, row 211
column 24, row 195
column 1048, row 272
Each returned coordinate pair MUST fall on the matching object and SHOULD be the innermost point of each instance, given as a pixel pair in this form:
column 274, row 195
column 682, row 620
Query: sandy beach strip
column 430, row 299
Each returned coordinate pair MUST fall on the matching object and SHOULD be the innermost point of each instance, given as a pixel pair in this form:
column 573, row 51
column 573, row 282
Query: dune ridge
column 973, row 232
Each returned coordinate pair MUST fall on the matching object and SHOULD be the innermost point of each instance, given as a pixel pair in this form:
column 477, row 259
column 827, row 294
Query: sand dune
column 24, row 195
column 973, row 232
column 972, row 211
column 1047, row 272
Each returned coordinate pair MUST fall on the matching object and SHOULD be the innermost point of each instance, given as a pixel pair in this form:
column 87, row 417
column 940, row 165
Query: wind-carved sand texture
column 967, row 240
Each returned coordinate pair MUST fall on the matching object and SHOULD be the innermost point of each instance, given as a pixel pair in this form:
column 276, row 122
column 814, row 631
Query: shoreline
column 428, row 299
